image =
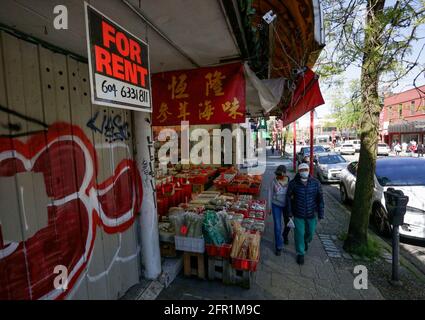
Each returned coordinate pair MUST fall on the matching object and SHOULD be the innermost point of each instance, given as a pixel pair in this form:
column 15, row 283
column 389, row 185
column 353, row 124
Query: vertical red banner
column 201, row 96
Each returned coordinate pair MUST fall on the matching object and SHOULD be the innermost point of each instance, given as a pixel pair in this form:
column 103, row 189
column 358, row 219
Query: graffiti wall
column 69, row 188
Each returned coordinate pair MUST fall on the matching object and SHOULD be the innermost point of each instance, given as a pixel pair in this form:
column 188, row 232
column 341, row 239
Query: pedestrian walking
column 277, row 205
column 304, row 200
column 397, row 149
column 272, row 149
column 420, row 149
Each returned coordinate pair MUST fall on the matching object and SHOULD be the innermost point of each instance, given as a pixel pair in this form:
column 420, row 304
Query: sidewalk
column 281, row 277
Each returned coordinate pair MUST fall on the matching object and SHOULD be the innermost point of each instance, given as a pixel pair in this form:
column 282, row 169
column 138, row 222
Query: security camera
column 269, row 17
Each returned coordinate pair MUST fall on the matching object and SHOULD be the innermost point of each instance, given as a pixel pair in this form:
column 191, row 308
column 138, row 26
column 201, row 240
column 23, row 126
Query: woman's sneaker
column 278, row 252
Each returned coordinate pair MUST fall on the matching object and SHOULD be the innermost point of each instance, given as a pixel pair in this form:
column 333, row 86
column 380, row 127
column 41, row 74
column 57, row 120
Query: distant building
column 402, row 118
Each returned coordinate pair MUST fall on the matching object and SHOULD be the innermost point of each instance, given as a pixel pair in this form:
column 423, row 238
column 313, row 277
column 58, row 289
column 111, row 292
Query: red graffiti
column 68, row 162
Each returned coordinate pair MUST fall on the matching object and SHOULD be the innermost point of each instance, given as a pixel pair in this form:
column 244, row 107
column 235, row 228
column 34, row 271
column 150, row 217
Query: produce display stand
column 187, row 194
column 219, row 269
column 242, row 278
column 194, row 264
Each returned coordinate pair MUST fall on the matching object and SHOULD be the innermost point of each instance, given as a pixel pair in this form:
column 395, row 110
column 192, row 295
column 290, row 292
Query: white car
column 356, row 144
column 347, row 148
column 383, row 149
column 328, row 167
column 405, row 174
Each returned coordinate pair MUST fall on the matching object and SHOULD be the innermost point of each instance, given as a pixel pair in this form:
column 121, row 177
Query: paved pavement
column 280, row 277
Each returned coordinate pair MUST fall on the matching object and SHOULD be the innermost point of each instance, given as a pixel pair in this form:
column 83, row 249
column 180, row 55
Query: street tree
column 346, row 107
column 377, row 36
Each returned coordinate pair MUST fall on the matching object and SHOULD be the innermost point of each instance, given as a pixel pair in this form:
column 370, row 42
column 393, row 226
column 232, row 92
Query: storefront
column 407, row 132
column 80, row 189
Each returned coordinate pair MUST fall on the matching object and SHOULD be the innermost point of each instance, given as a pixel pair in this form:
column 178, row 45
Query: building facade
column 402, row 118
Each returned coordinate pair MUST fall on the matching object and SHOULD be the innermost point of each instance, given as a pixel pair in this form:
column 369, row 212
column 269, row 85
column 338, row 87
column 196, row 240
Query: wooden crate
column 219, row 268
column 168, row 250
column 194, row 264
column 244, row 279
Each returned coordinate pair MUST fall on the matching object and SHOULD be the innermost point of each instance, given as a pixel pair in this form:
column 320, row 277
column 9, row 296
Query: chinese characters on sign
column 201, row 96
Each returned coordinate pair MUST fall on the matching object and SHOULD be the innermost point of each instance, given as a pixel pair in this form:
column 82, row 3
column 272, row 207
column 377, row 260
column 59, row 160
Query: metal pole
column 311, row 141
column 396, row 249
column 295, row 147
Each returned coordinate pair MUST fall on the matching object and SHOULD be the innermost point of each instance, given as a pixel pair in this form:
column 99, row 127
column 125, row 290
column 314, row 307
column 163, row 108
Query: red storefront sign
column 212, row 95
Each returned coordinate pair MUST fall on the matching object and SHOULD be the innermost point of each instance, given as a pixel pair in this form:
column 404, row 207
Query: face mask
column 304, row 175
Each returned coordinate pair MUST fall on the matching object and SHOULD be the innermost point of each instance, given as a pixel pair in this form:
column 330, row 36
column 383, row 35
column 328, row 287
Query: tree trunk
column 369, row 130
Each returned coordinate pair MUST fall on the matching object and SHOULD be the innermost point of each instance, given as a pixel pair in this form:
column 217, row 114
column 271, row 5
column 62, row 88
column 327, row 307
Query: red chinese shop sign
column 118, row 62
column 213, row 95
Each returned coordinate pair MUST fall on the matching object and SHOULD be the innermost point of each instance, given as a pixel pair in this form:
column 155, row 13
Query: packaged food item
column 246, row 246
column 258, row 226
column 217, row 230
column 187, row 224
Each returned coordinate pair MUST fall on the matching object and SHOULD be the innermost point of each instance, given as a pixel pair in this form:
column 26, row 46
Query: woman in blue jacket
column 304, row 200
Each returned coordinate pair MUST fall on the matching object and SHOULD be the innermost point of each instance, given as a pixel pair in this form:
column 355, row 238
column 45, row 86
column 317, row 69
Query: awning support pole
column 311, row 141
column 295, row 147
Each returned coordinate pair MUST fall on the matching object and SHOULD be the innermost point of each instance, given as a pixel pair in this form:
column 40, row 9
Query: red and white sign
column 119, row 64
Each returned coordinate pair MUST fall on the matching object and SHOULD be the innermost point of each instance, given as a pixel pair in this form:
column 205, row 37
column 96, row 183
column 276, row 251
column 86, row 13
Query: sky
column 353, row 72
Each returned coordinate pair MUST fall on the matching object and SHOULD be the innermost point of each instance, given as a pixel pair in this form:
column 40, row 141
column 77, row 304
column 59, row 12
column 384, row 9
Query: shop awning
column 411, row 126
column 305, row 98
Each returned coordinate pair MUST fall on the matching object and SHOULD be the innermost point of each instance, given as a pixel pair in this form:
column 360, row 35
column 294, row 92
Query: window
column 401, row 173
column 352, row 167
column 412, row 108
column 390, row 112
column 400, row 110
column 332, row 159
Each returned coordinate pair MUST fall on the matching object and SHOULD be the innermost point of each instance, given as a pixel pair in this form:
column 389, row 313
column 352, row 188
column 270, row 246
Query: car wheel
column 381, row 221
column 343, row 193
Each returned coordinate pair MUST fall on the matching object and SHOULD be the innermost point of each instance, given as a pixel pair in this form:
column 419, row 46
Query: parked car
column 356, row 144
column 405, row 174
column 328, row 167
column 304, row 153
column 383, row 149
column 346, row 148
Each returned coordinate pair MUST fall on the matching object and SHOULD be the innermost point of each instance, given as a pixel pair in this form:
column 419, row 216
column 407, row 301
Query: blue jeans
column 277, row 220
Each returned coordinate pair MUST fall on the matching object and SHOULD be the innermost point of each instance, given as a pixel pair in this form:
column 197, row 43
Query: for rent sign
column 119, row 64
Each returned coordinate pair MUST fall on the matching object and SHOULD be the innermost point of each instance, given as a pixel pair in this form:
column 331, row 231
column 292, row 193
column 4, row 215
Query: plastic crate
column 254, row 191
column 244, row 264
column 187, row 244
column 218, row 251
column 233, row 188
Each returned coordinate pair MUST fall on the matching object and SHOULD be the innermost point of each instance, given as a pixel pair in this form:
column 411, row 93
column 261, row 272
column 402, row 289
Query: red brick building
column 403, row 117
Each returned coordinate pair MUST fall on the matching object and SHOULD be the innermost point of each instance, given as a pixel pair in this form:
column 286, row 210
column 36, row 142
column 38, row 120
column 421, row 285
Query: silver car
column 328, row 167
column 401, row 173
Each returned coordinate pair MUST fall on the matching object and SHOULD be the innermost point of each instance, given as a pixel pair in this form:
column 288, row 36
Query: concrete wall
column 69, row 189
